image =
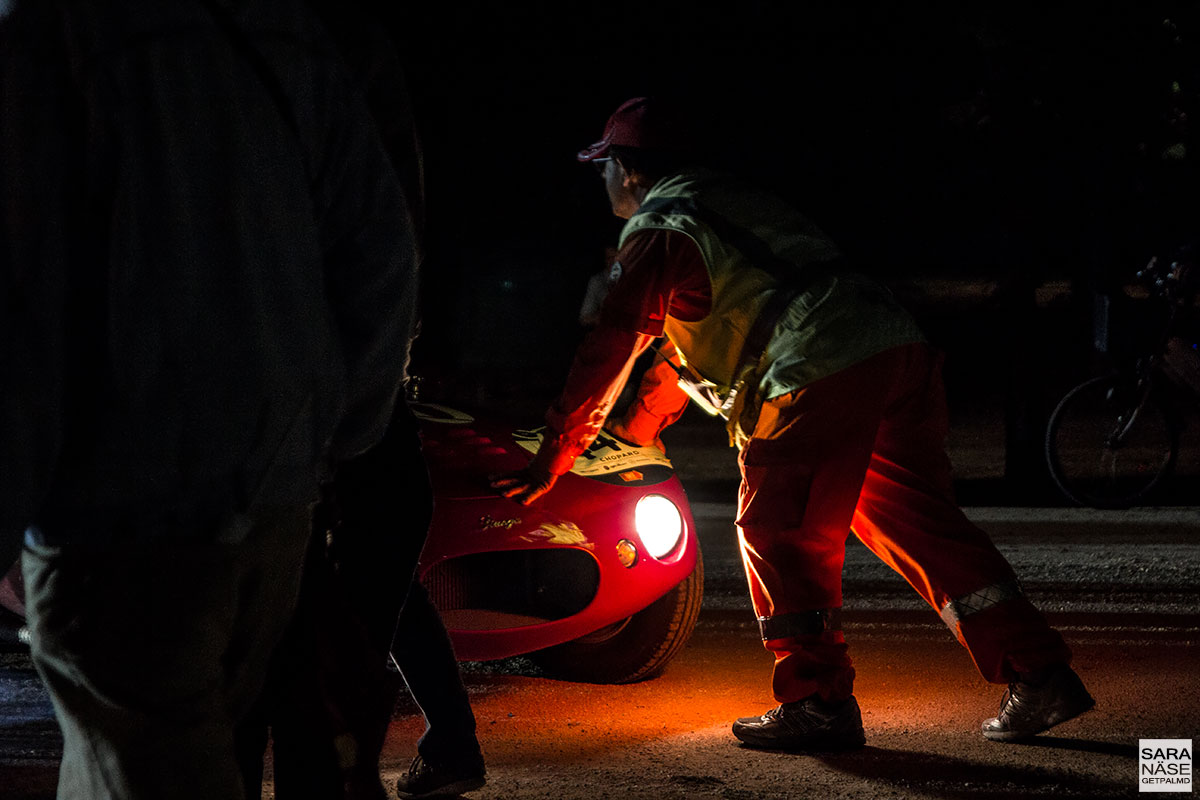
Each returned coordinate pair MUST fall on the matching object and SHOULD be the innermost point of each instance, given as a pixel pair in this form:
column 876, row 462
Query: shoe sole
column 1016, row 736
column 799, row 745
column 449, row 790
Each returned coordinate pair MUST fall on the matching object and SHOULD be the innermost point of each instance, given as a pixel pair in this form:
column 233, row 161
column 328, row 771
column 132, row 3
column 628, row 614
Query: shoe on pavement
column 1028, row 709
column 808, row 724
column 424, row 780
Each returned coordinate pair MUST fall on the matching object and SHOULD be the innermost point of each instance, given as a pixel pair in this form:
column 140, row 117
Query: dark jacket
column 199, row 219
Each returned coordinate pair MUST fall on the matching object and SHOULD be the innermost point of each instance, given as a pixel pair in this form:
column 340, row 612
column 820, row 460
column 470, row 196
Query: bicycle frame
column 1125, row 423
column 1114, row 438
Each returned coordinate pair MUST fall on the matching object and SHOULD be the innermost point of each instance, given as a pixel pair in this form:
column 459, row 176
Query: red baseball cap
column 640, row 122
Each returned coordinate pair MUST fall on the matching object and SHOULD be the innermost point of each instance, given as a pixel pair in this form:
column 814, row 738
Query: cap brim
column 593, row 151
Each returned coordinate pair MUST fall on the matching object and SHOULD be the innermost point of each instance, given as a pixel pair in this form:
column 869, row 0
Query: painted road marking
column 1182, row 516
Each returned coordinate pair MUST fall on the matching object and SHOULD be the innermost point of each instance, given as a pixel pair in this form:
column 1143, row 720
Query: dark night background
column 1022, row 144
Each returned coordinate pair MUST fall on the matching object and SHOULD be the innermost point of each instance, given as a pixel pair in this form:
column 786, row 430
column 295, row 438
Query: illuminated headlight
column 659, row 524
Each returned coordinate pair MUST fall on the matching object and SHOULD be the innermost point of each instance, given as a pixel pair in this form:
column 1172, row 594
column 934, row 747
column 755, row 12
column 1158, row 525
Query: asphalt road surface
column 1121, row 586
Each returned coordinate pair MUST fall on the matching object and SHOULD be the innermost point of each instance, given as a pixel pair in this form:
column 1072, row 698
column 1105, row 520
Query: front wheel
column 1111, row 442
column 636, row 648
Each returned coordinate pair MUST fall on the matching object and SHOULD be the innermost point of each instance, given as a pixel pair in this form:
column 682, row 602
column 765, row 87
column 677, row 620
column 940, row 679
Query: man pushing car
column 836, row 404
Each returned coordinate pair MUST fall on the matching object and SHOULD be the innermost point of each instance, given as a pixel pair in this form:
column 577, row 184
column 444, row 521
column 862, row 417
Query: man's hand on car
column 525, row 485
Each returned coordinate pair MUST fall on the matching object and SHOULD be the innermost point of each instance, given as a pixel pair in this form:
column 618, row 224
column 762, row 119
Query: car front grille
column 512, row 588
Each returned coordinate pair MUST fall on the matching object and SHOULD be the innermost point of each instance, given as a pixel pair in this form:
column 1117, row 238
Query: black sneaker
column 424, row 780
column 808, row 724
column 1028, row 709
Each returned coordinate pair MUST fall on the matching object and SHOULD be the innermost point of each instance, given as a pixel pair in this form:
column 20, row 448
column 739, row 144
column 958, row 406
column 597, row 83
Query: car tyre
column 636, row 648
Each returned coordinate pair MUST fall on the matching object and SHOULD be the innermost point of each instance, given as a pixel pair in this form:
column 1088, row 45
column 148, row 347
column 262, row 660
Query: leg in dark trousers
column 329, row 698
column 384, row 505
column 293, row 708
column 387, row 491
column 425, row 657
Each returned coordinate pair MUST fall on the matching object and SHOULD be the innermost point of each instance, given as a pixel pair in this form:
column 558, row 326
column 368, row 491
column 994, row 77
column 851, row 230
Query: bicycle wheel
column 1110, row 442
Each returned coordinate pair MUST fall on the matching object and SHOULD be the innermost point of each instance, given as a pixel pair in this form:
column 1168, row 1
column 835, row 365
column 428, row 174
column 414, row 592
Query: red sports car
column 598, row 581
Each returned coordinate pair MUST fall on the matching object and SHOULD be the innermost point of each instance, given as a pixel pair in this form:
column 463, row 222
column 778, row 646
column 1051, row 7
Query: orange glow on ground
column 711, row 684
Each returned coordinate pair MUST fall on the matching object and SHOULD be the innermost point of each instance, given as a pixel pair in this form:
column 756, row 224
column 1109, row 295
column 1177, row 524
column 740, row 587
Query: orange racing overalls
column 844, row 430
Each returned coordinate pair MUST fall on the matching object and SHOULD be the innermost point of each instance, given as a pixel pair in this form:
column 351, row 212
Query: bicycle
column 1114, row 439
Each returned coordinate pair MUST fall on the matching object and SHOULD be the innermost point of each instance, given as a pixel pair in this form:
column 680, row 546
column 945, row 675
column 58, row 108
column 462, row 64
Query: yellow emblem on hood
column 558, row 533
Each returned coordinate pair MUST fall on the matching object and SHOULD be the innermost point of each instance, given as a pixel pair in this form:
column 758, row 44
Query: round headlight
column 659, row 524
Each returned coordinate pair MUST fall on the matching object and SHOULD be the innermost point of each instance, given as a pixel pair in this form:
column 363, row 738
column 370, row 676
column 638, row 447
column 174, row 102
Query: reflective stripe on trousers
column 977, row 601
column 862, row 450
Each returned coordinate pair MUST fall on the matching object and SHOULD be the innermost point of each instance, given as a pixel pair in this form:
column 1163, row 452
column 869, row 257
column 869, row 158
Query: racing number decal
column 610, row 460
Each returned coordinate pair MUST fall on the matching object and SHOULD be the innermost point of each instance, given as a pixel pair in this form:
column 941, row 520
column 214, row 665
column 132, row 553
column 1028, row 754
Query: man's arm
column 602, row 365
column 660, row 401
column 370, row 246
column 656, row 272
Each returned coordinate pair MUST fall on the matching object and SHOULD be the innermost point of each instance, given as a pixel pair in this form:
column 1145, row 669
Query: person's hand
column 524, row 486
